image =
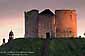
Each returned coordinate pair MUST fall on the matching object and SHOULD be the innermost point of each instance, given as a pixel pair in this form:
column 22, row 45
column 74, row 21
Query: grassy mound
column 34, row 47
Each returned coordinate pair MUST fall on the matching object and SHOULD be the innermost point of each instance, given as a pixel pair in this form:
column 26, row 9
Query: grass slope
column 56, row 47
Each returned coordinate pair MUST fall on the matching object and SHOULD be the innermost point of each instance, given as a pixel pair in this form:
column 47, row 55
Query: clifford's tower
column 62, row 23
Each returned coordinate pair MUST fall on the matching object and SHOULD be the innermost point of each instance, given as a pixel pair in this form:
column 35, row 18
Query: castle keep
column 62, row 23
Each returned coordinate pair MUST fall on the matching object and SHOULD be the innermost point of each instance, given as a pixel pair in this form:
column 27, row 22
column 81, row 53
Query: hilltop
column 56, row 47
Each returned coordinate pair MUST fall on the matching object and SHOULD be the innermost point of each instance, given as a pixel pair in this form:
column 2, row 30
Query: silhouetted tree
column 79, row 36
column 84, row 33
column 3, row 40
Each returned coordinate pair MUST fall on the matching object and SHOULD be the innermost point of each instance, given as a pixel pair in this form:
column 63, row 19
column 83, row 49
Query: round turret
column 66, row 23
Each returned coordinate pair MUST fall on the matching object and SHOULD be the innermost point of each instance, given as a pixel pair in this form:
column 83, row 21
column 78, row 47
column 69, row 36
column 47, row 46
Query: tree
column 84, row 33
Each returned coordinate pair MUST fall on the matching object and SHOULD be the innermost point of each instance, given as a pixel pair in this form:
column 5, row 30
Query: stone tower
column 31, row 24
column 66, row 23
column 46, row 18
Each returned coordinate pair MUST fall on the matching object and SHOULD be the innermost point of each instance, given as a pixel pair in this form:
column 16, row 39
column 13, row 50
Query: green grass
column 56, row 47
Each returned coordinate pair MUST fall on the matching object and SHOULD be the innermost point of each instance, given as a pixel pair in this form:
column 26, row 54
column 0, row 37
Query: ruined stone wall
column 66, row 23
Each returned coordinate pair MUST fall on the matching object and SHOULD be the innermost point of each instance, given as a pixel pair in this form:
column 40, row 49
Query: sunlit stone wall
column 66, row 23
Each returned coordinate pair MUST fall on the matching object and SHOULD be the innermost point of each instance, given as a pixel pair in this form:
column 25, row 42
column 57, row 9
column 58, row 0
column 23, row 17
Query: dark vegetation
column 56, row 47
